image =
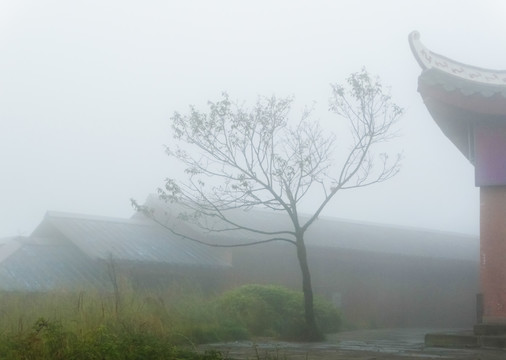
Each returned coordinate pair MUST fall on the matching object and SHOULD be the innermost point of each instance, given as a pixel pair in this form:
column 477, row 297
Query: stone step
column 465, row 339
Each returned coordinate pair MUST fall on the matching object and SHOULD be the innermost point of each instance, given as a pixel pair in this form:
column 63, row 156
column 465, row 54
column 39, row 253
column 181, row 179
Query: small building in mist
column 71, row 251
column 379, row 275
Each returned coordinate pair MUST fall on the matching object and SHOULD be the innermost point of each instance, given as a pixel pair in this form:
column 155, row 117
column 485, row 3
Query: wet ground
column 384, row 344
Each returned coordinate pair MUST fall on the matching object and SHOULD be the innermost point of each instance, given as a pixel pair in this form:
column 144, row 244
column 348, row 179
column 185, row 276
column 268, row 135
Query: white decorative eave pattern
column 430, row 60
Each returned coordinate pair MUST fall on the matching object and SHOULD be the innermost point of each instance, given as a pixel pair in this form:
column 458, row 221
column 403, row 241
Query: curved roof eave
column 472, row 88
column 459, row 96
column 428, row 59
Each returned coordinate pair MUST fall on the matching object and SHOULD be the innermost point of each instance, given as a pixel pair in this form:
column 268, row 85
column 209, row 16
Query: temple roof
column 467, row 78
column 465, row 86
column 458, row 95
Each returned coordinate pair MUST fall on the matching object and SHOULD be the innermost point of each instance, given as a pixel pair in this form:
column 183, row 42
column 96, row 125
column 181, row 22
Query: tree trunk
column 311, row 332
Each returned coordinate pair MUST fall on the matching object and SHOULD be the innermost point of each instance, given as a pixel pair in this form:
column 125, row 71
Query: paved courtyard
column 398, row 344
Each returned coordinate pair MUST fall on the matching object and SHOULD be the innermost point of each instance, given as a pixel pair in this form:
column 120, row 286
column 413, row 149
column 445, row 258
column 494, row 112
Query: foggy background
column 87, row 89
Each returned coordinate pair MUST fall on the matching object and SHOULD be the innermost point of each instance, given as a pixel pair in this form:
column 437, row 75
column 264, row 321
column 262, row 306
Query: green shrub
column 273, row 311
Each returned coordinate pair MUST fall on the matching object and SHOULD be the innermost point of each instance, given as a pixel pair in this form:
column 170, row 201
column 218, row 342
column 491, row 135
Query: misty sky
column 87, row 89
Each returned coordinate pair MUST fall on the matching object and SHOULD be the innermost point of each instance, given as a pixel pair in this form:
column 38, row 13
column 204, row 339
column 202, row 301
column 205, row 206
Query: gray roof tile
column 139, row 240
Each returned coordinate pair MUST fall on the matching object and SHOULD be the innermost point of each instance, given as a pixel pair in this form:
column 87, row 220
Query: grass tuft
column 131, row 324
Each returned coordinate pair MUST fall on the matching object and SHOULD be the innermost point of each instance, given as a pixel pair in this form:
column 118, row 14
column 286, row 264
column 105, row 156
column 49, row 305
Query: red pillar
column 493, row 253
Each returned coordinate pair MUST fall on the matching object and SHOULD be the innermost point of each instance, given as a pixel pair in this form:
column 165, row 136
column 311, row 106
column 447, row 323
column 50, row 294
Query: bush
column 268, row 310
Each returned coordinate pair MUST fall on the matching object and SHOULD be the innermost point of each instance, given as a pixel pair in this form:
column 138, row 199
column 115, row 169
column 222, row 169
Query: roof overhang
column 459, row 96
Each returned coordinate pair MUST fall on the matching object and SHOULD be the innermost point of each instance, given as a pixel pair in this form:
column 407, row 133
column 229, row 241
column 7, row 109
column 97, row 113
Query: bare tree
column 239, row 158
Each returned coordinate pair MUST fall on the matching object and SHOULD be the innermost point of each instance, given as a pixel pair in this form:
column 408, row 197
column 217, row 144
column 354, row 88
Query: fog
column 87, row 89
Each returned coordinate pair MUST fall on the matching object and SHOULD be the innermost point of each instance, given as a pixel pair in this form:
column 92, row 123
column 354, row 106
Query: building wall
column 372, row 289
column 154, row 277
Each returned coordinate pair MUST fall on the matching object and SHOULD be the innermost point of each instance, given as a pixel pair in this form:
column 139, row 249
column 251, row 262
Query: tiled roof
column 66, row 249
column 342, row 233
column 453, row 75
column 36, row 266
column 393, row 239
column 466, row 87
column 137, row 240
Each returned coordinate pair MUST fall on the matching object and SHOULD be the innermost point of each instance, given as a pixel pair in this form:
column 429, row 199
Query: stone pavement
column 398, row 344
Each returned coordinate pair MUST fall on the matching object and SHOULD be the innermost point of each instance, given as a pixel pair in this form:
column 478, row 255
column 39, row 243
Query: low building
column 79, row 251
column 379, row 275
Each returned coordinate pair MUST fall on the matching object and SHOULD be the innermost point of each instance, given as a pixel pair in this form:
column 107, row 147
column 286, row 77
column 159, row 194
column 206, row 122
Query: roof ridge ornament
column 428, row 59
